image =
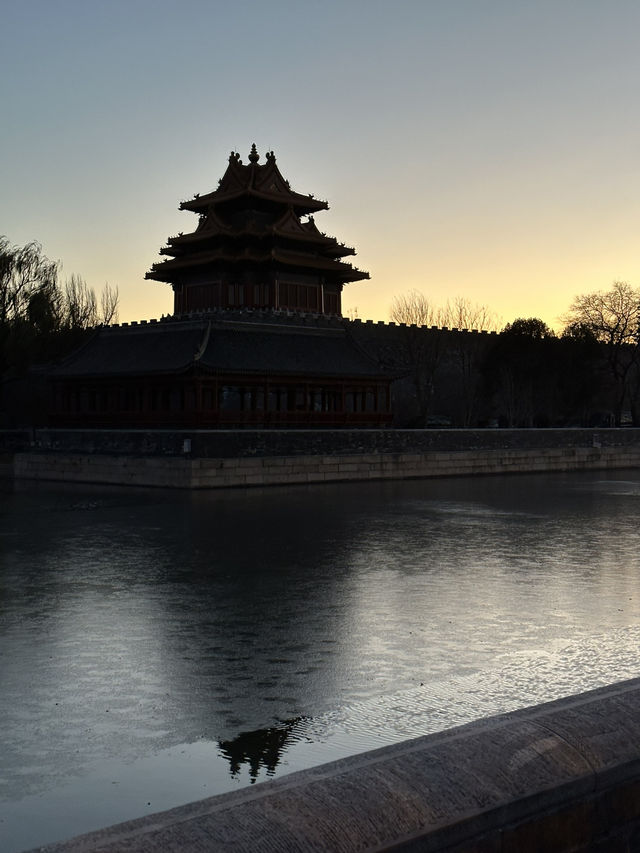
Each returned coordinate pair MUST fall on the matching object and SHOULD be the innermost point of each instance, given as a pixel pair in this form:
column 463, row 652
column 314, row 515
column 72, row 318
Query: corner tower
column 256, row 246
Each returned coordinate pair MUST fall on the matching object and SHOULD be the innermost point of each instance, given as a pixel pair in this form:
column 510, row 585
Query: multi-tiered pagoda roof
column 256, row 246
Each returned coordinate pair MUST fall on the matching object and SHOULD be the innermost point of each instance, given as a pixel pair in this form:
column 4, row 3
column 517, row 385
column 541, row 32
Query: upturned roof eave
column 305, row 203
column 345, row 271
column 321, row 240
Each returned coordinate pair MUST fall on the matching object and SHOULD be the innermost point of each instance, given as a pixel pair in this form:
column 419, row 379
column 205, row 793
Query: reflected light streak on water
column 157, row 647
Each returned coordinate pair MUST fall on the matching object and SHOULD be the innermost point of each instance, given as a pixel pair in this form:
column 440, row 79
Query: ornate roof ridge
column 263, row 179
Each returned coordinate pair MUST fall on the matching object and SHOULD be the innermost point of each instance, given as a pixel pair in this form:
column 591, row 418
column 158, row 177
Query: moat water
column 157, row 647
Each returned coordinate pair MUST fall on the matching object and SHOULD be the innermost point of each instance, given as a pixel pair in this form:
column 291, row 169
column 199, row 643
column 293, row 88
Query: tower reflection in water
column 263, row 748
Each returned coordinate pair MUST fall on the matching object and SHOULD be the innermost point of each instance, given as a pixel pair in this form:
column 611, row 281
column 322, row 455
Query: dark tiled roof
column 165, row 270
column 266, row 344
column 302, row 352
column 129, row 350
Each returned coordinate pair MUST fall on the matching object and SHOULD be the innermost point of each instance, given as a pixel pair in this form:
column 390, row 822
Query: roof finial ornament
column 253, row 155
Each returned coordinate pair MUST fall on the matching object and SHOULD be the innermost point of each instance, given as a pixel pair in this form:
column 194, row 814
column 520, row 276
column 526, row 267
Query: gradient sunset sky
column 480, row 148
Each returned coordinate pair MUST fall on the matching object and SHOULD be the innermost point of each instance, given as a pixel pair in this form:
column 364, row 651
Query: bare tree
column 427, row 348
column 423, row 347
column 613, row 317
column 457, row 313
column 352, row 313
column 461, row 313
column 414, row 308
column 109, row 299
column 467, row 350
column 80, row 305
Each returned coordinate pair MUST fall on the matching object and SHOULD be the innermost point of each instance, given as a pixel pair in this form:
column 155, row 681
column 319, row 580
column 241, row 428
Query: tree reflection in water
column 263, row 747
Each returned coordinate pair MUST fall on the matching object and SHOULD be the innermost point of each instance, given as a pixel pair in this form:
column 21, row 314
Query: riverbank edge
column 211, row 459
column 559, row 777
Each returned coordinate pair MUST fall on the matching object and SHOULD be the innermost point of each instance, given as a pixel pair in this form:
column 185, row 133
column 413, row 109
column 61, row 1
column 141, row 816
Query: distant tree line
column 525, row 376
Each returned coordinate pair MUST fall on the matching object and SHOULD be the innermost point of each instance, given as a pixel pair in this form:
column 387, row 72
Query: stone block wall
column 209, row 473
column 220, row 458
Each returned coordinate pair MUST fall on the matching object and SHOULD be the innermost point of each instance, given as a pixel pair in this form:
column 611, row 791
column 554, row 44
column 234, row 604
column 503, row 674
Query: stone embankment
column 559, row 777
column 224, row 458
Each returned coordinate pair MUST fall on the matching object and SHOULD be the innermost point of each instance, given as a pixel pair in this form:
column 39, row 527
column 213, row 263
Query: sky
column 485, row 149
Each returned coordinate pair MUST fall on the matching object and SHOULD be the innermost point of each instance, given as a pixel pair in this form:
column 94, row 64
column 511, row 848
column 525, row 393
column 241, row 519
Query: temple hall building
column 256, row 338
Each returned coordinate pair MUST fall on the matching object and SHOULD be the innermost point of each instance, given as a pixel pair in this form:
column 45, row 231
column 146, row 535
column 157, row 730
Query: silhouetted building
column 252, row 248
column 256, row 337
